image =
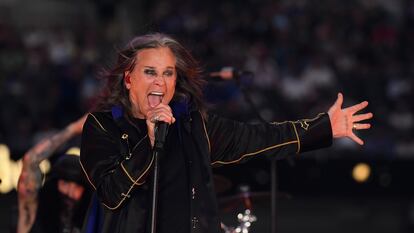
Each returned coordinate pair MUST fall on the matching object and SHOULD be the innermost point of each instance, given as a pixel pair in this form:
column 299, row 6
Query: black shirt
column 173, row 193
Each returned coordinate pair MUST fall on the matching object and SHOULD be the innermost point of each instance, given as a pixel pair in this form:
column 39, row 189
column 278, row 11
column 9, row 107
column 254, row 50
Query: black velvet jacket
column 117, row 160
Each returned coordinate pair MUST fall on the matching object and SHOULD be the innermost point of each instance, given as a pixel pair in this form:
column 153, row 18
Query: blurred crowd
column 301, row 54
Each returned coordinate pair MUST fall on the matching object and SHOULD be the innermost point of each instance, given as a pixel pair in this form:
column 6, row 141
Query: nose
column 159, row 80
column 75, row 191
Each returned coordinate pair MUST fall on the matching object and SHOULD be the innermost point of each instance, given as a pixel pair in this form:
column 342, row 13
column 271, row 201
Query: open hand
column 345, row 120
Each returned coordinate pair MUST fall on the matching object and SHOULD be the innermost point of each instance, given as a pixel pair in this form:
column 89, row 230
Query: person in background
column 157, row 80
column 64, row 199
column 64, row 173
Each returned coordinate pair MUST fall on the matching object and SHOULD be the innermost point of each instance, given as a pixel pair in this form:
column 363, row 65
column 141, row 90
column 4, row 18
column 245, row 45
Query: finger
column 362, row 117
column 339, row 100
column 163, row 112
column 357, row 107
column 163, row 106
column 168, row 115
column 159, row 110
column 165, row 118
column 362, row 126
column 356, row 139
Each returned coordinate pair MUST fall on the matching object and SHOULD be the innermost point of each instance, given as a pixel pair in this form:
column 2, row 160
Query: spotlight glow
column 10, row 170
column 361, row 172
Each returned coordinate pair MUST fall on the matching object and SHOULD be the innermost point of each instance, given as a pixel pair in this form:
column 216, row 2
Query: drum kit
column 239, row 206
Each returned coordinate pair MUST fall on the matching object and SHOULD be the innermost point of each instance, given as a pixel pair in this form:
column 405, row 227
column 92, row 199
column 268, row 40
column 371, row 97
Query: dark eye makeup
column 151, row 72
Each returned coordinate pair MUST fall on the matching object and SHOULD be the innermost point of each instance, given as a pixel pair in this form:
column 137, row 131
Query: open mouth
column 155, row 98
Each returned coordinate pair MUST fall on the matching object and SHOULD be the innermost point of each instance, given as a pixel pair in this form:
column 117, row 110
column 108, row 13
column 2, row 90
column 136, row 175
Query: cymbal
column 247, row 200
column 242, row 199
column 221, row 183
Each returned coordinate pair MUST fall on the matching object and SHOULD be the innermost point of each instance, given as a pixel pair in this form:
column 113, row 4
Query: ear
column 127, row 80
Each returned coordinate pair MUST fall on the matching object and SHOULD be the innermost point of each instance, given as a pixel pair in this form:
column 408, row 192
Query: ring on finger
column 155, row 118
column 354, row 126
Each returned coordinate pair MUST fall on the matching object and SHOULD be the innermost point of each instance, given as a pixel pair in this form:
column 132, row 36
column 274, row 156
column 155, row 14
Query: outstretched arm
column 30, row 178
column 345, row 120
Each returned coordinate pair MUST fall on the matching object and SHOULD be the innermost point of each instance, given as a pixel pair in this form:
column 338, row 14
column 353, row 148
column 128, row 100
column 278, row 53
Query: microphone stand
column 160, row 131
column 154, row 193
column 273, row 162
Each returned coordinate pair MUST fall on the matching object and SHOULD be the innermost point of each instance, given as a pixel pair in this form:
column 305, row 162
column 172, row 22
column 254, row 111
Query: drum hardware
column 246, row 218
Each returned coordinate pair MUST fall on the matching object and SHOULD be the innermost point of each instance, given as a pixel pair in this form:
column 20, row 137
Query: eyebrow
column 152, row 67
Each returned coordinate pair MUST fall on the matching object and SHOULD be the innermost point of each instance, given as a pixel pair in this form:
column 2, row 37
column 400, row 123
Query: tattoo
column 46, row 147
column 30, row 179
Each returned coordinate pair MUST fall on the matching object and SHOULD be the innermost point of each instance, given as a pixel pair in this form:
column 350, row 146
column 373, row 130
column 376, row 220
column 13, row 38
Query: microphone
column 160, row 131
column 229, row 72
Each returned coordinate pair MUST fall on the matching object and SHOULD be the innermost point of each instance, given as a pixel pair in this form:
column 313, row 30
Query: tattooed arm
column 30, row 178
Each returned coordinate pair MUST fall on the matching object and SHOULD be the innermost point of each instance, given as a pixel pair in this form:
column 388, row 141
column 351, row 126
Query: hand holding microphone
column 158, row 120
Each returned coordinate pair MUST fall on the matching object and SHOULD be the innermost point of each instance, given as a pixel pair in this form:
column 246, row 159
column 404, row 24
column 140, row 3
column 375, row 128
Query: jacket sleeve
column 111, row 174
column 232, row 142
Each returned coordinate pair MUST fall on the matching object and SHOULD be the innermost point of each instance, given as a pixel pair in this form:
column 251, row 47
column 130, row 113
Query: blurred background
column 301, row 53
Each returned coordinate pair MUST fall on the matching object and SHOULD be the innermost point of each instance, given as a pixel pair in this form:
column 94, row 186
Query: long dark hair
column 189, row 83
